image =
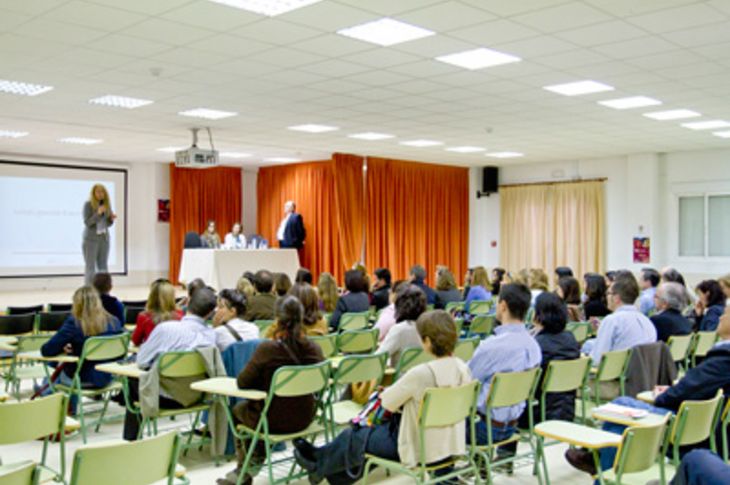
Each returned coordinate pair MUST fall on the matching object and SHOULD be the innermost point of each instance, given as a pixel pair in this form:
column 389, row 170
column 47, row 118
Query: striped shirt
column 190, row 333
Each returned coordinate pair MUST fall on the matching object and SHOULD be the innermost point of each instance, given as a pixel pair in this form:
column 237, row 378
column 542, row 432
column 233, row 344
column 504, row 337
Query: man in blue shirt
column 510, row 349
column 649, row 281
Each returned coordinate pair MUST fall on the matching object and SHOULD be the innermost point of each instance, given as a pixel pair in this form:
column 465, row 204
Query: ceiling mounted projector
column 195, row 157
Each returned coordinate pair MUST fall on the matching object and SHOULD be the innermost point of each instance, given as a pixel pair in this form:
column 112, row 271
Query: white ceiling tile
column 433, row 46
column 9, row 19
column 603, row 33
column 146, row 7
column 42, row 28
column 567, row 60
column 494, row 32
column 626, row 8
column 333, row 45
column 677, row 57
column 509, row 8
column 700, row 36
column 95, row 16
column 536, row 46
column 679, row 18
column 389, row 7
column 211, row 16
column 286, row 57
column 334, row 68
column 562, row 17
column 275, row 31
column 246, row 68
column 639, row 47
column 446, row 16
column 382, row 58
column 31, row 7
column 330, row 16
column 231, row 45
column 185, row 56
column 167, row 32
column 423, row 69
column 378, row 78
column 130, row 46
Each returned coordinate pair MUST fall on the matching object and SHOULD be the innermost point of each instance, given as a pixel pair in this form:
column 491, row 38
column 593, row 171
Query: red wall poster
column 642, row 249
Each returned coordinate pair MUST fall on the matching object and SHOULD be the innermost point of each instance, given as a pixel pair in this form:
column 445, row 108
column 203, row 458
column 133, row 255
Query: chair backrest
column 354, row 321
column 566, row 375
column 704, row 342
column 480, row 307
column 22, row 310
column 459, row 322
column 447, row 406
column 131, row 313
column 639, row 449
column 52, row 321
column 59, row 307
column 580, row 330
column 482, row 324
column 134, row 303
column 300, row 380
column 192, row 240
column 31, row 420
column 358, row 341
column 30, row 343
column 409, row 358
column 126, row 463
column 21, row 473
column 695, row 420
column 613, row 365
column 465, row 348
column 181, row 364
column 454, row 306
column 360, row 368
column 679, row 346
column 510, row 388
column 16, row 324
column 328, row 343
column 111, row 347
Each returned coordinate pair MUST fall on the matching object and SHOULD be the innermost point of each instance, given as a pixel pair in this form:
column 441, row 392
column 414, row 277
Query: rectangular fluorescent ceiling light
column 505, row 154
column 630, row 102
column 235, row 155
column 371, row 136
column 270, row 8
column 386, row 32
column 170, row 149
column 478, row 58
column 421, row 143
column 706, row 125
column 74, row 140
column 312, row 128
column 722, row 134
column 672, row 114
column 282, row 159
column 120, row 101
column 13, row 134
column 23, row 89
column 578, row 88
column 465, row 149
column 207, row 114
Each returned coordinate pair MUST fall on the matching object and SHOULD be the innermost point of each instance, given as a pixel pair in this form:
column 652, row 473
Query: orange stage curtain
column 311, row 186
column 197, row 196
column 417, row 214
column 350, row 207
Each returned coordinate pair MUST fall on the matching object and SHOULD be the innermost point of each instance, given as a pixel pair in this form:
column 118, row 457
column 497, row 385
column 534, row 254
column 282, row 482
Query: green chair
column 328, row 344
column 612, row 367
column 459, row 322
column 129, row 462
column 430, row 307
column 96, row 349
column 358, row 341
column 440, row 407
column 20, row 370
column 410, row 358
column 694, row 423
column 481, row 325
column 725, row 417
column 288, row 381
column 479, row 307
column 263, row 325
column 352, row 369
column 580, row 330
column 454, row 306
column 563, row 376
column 703, row 342
column 38, row 419
column 465, row 348
column 354, row 321
column 21, row 473
column 509, row 389
column 679, row 346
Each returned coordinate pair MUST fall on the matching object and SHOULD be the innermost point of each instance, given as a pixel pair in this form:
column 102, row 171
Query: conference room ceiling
column 295, row 69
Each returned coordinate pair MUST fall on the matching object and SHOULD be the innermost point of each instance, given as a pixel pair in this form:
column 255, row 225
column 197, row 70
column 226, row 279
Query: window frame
column 705, row 194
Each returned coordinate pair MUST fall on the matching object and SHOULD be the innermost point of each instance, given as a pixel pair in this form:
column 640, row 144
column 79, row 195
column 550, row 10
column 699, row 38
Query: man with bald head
column 291, row 233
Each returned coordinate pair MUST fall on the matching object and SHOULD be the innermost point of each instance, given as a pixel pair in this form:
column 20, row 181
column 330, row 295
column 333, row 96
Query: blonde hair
column 724, row 280
column 161, row 301
column 88, row 311
column 445, row 280
column 522, row 277
column 327, row 288
column 481, row 278
column 93, row 200
column 538, row 279
column 245, row 286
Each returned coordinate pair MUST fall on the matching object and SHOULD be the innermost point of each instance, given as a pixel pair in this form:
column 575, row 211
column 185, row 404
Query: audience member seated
column 569, row 291
column 88, row 319
column 480, row 289
column 354, row 300
column 234, row 239
column 467, row 283
column 446, row 289
column 102, row 282
column 648, row 282
column 699, row 383
column 418, row 278
column 381, row 288
column 497, row 278
column 702, row 467
column 386, row 319
column 210, row 237
column 710, row 305
column 191, row 288
column 160, row 308
column 229, row 328
column 562, row 272
column 328, row 293
column 313, row 323
column 190, row 333
column 245, row 286
column 538, row 281
column 282, row 284
column 595, row 305
column 510, row 349
column 670, row 300
column 261, row 305
column 626, row 327
column 285, row 414
column 409, row 305
column 671, row 275
column 725, row 285
column 341, row 461
column 303, row 276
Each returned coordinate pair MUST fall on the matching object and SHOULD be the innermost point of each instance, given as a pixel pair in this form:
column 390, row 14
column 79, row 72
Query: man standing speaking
column 291, row 233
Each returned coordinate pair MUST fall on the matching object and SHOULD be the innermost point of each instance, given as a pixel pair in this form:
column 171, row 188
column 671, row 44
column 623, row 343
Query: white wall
column 641, row 192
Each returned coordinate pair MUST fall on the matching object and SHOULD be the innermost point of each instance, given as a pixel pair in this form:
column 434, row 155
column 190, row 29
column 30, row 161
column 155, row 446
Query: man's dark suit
column 670, row 322
column 294, row 232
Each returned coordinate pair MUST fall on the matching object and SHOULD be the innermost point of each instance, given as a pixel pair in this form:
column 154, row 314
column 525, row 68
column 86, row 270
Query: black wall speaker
column 490, row 181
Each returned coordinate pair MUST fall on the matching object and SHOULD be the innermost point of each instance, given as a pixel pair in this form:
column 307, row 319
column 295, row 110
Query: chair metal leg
column 82, row 419
column 103, row 412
